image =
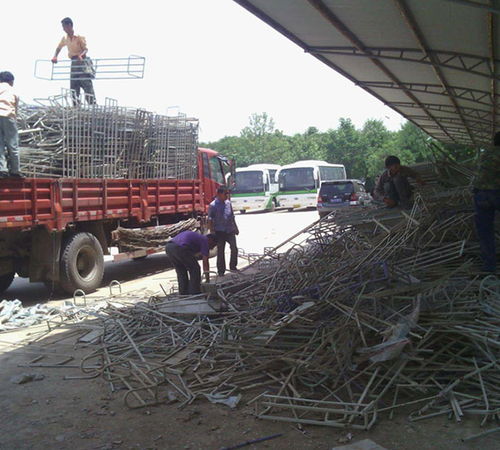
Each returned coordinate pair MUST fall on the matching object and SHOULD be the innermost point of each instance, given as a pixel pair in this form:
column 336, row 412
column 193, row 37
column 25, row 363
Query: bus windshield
column 248, row 182
column 327, row 173
column 297, row 179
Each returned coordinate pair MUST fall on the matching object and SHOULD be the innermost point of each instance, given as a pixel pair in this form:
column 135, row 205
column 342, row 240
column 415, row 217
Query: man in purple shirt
column 221, row 222
column 182, row 251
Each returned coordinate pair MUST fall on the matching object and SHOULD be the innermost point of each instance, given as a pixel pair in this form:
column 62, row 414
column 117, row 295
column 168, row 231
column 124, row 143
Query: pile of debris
column 14, row 315
column 105, row 141
column 131, row 239
column 364, row 312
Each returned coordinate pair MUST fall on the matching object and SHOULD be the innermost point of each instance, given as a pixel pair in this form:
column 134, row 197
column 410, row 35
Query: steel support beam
column 422, row 43
column 492, row 21
column 473, row 113
column 474, row 4
column 457, row 92
column 448, row 60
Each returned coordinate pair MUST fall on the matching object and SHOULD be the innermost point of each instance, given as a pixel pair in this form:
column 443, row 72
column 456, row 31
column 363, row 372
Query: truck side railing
column 55, row 203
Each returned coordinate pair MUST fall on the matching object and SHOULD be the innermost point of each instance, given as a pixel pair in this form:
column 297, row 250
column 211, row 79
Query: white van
column 254, row 188
column 299, row 182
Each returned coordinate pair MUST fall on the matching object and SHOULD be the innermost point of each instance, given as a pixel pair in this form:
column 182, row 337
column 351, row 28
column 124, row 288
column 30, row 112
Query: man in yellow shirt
column 9, row 165
column 77, row 52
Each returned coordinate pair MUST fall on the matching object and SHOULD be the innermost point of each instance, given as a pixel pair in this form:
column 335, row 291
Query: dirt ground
column 61, row 413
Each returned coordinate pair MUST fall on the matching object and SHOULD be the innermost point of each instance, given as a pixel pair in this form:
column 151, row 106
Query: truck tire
column 5, row 281
column 82, row 263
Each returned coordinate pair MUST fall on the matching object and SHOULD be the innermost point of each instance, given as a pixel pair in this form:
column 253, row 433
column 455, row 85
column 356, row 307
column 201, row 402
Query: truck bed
column 55, row 203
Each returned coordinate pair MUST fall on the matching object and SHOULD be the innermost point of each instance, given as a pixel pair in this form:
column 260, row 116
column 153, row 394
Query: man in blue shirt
column 182, row 251
column 221, row 222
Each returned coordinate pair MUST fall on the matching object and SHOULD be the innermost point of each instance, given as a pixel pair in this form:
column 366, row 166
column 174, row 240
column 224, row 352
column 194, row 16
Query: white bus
column 299, row 182
column 254, row 188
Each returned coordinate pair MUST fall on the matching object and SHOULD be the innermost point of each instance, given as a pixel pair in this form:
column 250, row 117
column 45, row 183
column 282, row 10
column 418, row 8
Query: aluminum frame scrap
column 361, row 313
column 105, row 141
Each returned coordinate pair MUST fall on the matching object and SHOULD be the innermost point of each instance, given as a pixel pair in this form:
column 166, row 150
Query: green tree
column 376, row 141
column 361, row 151
column 345, row 147
column 260, row 125
column 413, row 144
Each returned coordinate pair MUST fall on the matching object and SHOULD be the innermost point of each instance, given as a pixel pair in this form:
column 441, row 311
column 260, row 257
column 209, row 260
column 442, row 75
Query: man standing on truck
column 182, row 251
column 80, row 76
column 393, row 186
column 9, row 141
column 487, row 202
column 221, row 222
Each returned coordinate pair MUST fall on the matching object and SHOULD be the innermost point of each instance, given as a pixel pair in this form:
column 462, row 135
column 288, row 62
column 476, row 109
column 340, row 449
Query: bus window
column 272, row 175
column 331, row 173
column 216, row 169
column 297, row 178
column 248, row 182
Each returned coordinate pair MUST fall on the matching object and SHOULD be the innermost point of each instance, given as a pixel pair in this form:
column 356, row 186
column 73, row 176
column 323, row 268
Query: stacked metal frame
column 105, row 141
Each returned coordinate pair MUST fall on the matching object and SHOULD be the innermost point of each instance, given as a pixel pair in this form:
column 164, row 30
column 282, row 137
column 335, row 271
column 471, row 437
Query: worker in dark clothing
column 487, row 202
column 182, row 251
column 221, row 222
column 393, row 186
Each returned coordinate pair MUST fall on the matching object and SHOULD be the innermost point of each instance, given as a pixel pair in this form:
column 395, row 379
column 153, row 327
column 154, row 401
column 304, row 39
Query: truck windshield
column 296, row 179
column 248, row 182
column 217, row 170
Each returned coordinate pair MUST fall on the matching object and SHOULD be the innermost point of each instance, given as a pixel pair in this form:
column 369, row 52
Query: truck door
column 208, row 189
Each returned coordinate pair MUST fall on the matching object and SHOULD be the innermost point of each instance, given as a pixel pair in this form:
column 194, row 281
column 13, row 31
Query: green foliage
column 361, row 151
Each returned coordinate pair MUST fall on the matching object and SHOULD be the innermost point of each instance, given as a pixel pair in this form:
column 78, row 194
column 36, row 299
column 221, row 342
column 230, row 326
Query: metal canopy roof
column 433, row 61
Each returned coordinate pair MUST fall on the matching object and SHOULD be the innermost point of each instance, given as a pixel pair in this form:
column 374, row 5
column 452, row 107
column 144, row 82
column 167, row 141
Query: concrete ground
column 61, row 413
column 257, row 231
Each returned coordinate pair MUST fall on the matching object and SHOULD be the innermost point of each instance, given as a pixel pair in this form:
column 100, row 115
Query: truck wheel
column 82, row 263
column 5, row 281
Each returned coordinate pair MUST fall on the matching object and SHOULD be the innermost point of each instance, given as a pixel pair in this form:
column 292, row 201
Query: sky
column 209, row 59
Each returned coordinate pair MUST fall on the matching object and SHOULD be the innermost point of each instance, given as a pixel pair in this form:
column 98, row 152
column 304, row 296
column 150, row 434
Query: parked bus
column 254, row 188
column 299, row 182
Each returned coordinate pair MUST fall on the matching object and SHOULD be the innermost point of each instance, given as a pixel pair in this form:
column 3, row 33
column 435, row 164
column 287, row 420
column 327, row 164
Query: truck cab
column 211, row 172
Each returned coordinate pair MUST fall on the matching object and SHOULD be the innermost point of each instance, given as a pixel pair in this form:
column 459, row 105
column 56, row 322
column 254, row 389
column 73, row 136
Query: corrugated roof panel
column 434, row 61
column 447, row 25
column 375, row 21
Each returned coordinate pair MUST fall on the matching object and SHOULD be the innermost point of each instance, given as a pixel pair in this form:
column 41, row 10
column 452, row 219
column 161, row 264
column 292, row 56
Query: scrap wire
column 58, row 139
column 365, row 311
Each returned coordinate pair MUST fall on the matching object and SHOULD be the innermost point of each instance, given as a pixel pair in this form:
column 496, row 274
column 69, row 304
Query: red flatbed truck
column 56, row 230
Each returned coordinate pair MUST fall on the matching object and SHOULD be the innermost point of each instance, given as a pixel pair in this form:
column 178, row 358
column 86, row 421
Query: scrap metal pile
column 362, row 313
column 105, row 141
column 130, row 239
